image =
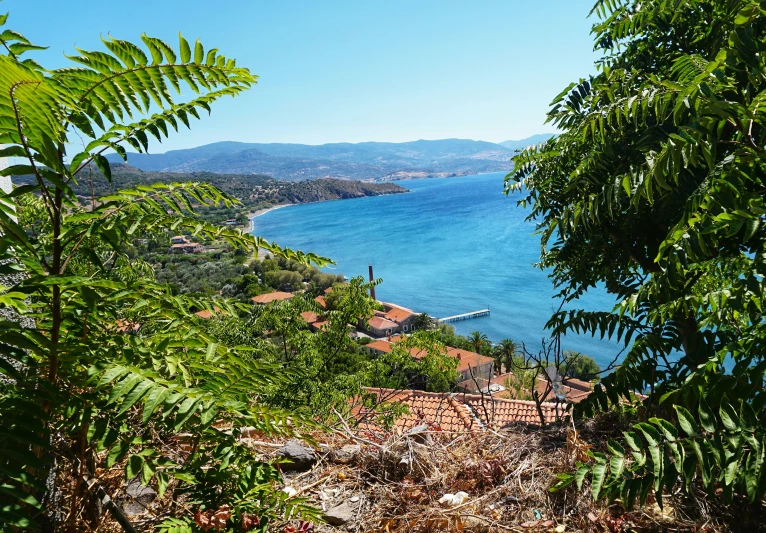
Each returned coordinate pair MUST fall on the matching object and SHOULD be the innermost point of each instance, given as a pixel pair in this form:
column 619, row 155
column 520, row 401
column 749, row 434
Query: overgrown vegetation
column 654, row 188
column 81, row 392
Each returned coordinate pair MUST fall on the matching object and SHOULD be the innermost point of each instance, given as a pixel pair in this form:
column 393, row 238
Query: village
column 482, row 378
column 480, row 400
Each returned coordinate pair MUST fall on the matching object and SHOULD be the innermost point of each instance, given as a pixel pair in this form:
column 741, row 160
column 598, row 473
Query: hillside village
column 480, row 398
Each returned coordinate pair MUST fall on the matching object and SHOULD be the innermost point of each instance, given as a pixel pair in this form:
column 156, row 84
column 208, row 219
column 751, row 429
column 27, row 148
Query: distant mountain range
column 523, row 143
column 371, row 161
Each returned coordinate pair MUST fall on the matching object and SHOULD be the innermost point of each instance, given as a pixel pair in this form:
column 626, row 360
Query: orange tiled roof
column 578, row 384
column 500, row 380
column 124, row 326
column 321, row 302
column 320, row 323
column 206, row 313
column 398, row 314
column 378, row 322
column 468, row 359
column 572, row 394
column 271, row 296
column 438, row 410
column 309, row 316
column 380, row 345
column 498, row 412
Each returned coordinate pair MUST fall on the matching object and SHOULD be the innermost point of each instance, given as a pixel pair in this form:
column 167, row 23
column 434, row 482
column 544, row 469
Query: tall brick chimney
column 372, row 289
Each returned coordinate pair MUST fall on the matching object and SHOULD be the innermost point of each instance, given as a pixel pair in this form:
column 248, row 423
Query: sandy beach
column 251, row 215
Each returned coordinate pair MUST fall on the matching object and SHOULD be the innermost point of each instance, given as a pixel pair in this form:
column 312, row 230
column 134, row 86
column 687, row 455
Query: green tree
column 423, row 322
column 654, row 190
column 320, row 281
column 284, row 280
column 580, row 366
column 432, row 370
column 505, row 351
column 521, row 383
column 479, row 341
column 326, row 366
column 102, row 366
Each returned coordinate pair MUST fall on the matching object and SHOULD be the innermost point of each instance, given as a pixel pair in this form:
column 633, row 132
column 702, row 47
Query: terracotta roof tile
column 385, row 346
column 319, row 324
column 500, row 380
column 207, row 313
column 572, row 394
column 439, row 411
column 398, row 314
column 578, row 384
column 467, row 359
column 378, row 322
column 271, row 296
column 309, row 316
column 380, row 346
column 320, row 300
column 497, row 412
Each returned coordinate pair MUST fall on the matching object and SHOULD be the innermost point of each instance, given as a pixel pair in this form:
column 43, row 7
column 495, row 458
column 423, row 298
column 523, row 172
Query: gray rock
column 340, row 514
column 300, row 456
column 137, row 497
column 416, row 430
column 346, row 454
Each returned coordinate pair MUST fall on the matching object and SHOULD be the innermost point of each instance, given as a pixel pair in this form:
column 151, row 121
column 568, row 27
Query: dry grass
column 395, row 483
column 506, row 474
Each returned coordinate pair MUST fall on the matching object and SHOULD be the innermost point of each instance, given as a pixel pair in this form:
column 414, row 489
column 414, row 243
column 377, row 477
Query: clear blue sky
column 351, row 71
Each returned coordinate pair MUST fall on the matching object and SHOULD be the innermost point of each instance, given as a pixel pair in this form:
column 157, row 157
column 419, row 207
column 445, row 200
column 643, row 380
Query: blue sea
column 449, row 246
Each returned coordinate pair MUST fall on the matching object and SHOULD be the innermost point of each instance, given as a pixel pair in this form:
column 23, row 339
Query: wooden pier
column 464, row 316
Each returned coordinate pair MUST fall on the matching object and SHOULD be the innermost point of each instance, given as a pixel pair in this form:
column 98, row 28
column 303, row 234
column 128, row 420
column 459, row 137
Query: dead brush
column 396, row 481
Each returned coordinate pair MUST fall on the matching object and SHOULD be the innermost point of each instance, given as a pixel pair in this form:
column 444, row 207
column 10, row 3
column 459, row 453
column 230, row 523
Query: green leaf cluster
column 721, row 451
column 654, row 190
column 100, row 365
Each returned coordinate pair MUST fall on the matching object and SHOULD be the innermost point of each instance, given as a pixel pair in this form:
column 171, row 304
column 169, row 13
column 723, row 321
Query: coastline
column 253, row 214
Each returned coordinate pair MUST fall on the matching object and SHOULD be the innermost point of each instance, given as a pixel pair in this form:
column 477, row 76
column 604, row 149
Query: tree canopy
column 655, row 190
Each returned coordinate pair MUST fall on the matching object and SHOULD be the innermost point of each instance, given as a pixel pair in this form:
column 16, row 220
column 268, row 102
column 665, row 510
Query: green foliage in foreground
column 655, row 189
column 80, row 390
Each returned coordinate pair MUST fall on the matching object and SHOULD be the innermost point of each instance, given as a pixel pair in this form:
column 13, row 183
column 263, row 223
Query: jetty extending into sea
column 464, row 316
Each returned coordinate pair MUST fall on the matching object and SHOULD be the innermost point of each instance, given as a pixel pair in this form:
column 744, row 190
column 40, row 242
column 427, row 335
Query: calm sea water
column 449, row 246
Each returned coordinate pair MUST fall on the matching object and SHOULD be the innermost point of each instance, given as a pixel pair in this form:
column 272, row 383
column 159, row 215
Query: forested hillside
column 254, row 191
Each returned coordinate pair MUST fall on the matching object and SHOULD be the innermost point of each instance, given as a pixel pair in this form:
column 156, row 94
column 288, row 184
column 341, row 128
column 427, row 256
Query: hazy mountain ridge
column 523, row 143
column 365, row 161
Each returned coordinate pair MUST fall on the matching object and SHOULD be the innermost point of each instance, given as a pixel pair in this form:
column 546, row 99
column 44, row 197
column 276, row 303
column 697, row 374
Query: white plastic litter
column 290, row 491
column 453, row 500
